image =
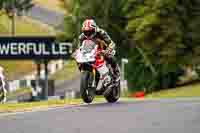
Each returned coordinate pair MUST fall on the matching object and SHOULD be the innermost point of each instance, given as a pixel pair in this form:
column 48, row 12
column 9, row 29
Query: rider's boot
column 115, row 67
column 107, row 85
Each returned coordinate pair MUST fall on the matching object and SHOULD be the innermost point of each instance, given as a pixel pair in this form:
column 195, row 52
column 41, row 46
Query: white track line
column 35, row 110
column 44, row 109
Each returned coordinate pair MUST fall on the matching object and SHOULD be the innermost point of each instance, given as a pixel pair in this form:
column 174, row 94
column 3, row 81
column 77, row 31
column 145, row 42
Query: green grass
column 28, row 106
column 68, row 72
column 19, row 92
column 185, row 91
column 12, row 107
column 24, row 27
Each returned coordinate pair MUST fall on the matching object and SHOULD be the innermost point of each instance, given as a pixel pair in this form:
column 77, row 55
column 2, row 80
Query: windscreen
column 88, row 46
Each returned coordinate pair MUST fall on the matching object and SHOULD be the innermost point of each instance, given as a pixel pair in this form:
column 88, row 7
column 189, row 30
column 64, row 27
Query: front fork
column 94, row 78
column 93, row 84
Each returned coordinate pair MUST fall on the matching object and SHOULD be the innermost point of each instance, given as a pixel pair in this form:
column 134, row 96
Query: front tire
column 87, row 93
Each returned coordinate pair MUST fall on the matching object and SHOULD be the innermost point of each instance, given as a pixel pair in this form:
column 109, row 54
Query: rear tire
column 87, row 94
column 114, row 95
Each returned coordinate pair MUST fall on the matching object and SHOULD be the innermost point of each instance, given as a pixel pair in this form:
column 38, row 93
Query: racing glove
column 110, row 50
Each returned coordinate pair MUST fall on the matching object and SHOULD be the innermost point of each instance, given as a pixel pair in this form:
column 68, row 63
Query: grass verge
column 24, row 27
column 185, row 91
column 19, row 92
column 29, row 106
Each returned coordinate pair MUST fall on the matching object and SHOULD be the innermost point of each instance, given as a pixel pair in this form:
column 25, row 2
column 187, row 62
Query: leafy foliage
column 166, row 32
column 158, row 37
column 109, row 16
column 14, row 7
column 17, row 6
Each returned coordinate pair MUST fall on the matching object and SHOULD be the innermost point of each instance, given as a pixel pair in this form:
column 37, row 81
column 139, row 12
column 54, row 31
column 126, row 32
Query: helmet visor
column 89, row 33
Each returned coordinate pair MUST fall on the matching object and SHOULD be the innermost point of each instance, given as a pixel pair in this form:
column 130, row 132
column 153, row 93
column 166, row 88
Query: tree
column 158, row 36
column 72, row 20
column 109, row 14
column 166, row 33
column 15, row 7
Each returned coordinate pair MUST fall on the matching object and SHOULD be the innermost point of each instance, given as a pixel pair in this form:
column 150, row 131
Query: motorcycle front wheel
column 87, row 93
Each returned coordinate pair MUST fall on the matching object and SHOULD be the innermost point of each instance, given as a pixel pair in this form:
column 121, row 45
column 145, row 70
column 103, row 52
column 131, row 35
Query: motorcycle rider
column 90, row 30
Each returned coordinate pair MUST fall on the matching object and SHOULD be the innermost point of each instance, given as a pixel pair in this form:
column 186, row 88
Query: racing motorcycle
column 3, row 91
column 90, row 58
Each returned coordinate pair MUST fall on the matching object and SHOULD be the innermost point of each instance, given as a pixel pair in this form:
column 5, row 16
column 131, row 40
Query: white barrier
column 13, row 85
column 70, row 94
column 55, row 66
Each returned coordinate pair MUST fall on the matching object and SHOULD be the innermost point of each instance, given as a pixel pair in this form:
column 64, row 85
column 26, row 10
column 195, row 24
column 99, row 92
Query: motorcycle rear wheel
column 114, row 94
column 87, row 93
